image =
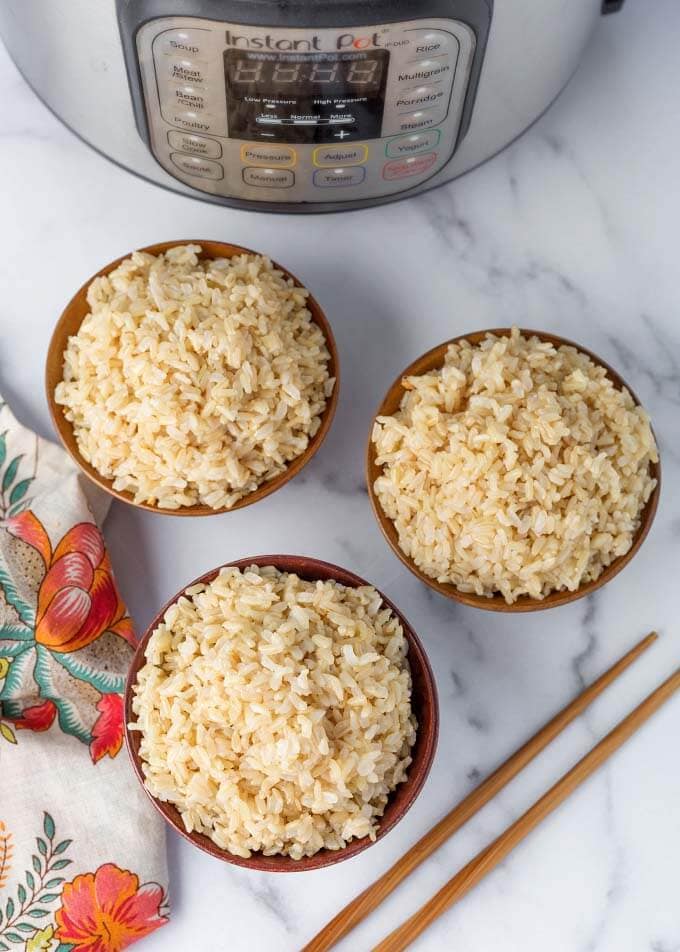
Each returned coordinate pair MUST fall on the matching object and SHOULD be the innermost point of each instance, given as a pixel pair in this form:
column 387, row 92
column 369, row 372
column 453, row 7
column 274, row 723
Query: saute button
column 336, row 178
column 270, row 155
column 404, row 168
column 268, row 178
column 416, row 142
column 186, row 71
column 193, row 165
column 189, row 43
column 340, row 155
column 196, row 145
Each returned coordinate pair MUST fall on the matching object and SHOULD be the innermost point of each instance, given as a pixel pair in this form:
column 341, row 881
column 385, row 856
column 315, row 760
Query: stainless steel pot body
column 126, row 77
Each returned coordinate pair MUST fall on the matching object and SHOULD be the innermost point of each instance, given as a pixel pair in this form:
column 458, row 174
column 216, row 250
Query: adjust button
column 281, row 156
column 405, row 168
column 340, row 155
column 337, row 178
column 268, row 178
column 195, row 145
column 193, row 165
column 411, row 144
column 192, row 44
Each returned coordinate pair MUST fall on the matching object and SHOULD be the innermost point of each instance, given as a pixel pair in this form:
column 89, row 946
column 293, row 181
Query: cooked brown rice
column 517, row 467
column 275, row 713
column 194, row 380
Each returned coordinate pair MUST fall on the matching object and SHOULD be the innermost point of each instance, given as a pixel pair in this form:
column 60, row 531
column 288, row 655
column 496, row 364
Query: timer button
column 405, row 168
column 194, row 165
column 268, row 178
column 334, row 155
column 411, row 144
column 281, row 156
column 195, row 145
column 192, row 44
column 337, row 178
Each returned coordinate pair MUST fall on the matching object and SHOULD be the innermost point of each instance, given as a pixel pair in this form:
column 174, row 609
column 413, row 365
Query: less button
column 336, row 155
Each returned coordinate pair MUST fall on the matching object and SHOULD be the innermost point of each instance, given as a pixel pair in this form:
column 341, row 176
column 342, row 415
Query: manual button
column 193, row 165
column 268, row 178
column 271, row 155
column 340, row 155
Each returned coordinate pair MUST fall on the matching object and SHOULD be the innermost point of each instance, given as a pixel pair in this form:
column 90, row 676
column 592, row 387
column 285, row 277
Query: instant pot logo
column 345, row 41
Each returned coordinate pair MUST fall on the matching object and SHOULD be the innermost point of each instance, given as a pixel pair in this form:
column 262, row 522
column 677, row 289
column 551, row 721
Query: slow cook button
column 337, row 178
column 196, row 145
column 428, row 70
column 193, row 165
column 192, row 44
column 272, row 155
column 268, row 178
column 326, row 155
column 404, row 168
column 425, row 96
column 411, row 144
column 186, row 71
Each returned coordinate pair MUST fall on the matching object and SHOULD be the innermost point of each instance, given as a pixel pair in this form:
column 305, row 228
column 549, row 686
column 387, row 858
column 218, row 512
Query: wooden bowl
column 72, row 318
column 423, row 701
column 434, row 359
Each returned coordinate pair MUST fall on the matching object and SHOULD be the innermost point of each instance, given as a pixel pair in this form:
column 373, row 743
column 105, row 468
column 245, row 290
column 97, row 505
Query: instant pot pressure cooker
column 298, row 106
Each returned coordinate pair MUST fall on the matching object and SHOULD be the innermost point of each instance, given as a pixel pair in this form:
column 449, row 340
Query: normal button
column 269, row 155
column 337, row 178
column 412, row 144
column 193, row 165
column 340, row 155
column 268, row 178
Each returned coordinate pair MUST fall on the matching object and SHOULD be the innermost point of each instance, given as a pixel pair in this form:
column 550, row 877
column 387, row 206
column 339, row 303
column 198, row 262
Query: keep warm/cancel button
column 268, row 178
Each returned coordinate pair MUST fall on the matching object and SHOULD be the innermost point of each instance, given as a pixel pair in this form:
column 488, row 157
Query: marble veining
column 572, row 230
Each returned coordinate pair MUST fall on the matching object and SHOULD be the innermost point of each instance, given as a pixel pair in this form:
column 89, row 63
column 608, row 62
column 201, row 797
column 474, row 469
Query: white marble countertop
column 574, row 229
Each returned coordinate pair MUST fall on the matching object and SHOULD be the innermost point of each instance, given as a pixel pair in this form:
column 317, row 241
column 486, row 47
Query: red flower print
column 78, row 599
column 107, row 732
column 39, row 717
column 108, row 910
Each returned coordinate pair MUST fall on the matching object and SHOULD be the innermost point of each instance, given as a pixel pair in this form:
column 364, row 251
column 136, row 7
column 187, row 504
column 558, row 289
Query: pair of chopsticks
column 492, row 855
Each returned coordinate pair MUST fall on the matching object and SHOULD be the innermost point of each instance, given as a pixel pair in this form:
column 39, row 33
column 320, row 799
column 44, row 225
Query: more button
column 193, row 165
column 337, row 178
column 269, row 155
column 338, row 155
column 268, row 178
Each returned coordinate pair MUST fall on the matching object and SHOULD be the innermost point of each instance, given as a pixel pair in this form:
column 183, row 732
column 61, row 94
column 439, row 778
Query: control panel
column 303, row 115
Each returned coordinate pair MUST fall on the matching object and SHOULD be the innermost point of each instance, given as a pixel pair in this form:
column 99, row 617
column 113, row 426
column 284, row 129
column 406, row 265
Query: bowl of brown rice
column 281, row 713
column 513, row 470
column 192, row 377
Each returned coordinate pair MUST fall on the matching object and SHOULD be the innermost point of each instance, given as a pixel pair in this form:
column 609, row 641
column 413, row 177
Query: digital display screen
column 305, row 97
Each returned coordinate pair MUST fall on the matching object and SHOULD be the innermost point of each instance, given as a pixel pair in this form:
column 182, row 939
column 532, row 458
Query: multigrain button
column 196, row 145
column 337, row 178
column 412, row 144
column 186, row 71
column 192, row 44
column 404, row 168
column 268, row 178
column 280, row 156
column 427, row 70
column 194, row 165
column 422, row 96
column 326, row 155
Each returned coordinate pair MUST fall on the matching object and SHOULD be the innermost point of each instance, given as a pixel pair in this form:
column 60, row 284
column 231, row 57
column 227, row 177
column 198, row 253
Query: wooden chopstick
column 356, row 910
column 489, row 858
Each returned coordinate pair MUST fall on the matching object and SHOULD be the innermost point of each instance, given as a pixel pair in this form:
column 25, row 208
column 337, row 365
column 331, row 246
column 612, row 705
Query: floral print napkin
column 82, row 853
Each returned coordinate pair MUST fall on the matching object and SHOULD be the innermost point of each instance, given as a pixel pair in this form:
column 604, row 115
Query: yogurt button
column 412, row 144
